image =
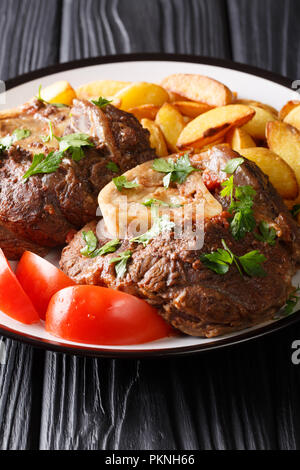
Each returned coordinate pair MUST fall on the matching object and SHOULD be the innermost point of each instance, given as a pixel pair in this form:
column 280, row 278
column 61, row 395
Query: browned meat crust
column 190, row 296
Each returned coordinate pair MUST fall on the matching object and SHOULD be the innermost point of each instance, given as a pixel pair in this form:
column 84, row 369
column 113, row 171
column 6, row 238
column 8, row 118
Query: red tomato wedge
column 98, row 315
column 40, row 280
column 13, row 300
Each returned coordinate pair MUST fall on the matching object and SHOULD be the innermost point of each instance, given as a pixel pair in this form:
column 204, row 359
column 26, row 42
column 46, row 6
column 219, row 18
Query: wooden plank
column 29, row 40
column 266, row 34
column 30, row 34
column 93, row 27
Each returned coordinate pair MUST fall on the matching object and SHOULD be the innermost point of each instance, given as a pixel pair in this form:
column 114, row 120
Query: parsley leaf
column 50, row 136
column 291, row 302
column 112, row 166
column 267, row 234
column 228, row 186
column 42, row 164
column 241, row 203
column 251, row 263
column 158, row 202
column 101, row 102
column 91, row 244
column 74, row 143
column 219, row 261
column 121, row 262
column 39, row 98
column 177, row 171
column 161, row 224
column 295, row 210
column 122, row 182
column 18, row 134
column 232, row 165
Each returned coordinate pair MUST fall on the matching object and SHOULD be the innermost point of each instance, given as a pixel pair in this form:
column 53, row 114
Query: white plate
column 248, row 82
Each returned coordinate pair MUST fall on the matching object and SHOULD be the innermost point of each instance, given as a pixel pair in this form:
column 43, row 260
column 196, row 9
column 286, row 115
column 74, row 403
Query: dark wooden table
column 246, row 397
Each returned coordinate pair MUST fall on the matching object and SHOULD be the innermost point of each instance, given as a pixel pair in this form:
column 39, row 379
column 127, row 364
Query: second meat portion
column 42, row 211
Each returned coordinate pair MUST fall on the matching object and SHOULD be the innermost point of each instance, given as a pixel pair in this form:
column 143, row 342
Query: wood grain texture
column 266, row 33
column 30, row 33
column 93, row 27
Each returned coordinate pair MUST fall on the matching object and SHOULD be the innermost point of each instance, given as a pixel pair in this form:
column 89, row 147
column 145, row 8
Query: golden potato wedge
column 281, row 175
column 212, row 125
column 258, row 104
column 198, row 88
column 157, row 140
column 284, row 140
column 293, row 117
column 238, row 139
column 141, row 93
column 176, row 97
column 145, row 111
column 59, row 92
column 287, row 108
column 171, row 123
column 257, row 126
column 105, row 88
column 191, row 108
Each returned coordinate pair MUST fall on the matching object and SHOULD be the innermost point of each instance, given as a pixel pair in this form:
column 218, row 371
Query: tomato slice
column 13, row 300
column 40, row 280
column 98, row 315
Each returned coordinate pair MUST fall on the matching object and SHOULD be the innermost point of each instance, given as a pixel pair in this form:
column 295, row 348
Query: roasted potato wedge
column 256, row 127
column 212, row 125
column 157, row 140
column 293, row 117
column 145, row 111
column 258, row 104
column 141, row 93
column 171, row 123
column 59, row 92
column 238, row 139
column 284, row 140
column 198, row 88
column 191, row 109
column 105, row 88
column 287, row 108
column 279, row 172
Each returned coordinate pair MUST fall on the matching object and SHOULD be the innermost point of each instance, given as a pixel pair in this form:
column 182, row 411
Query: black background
column 246, row 397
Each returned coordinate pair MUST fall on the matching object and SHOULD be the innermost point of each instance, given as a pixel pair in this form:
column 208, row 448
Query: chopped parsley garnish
column 295, row 210
column 91, row 241
column 122, row 182
column 161, row 224
column 176, row 172
column 121, row 262
column 44, row 164
column 112, row 166
column 267, row 234
column 291, row 302
column 101, row 102
column 232, row 165
column 73, row 143
column 50, row 136
column 241, row 203
column 219, row 261
column 39, row 98
column 158, row 202
column 18, row 134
